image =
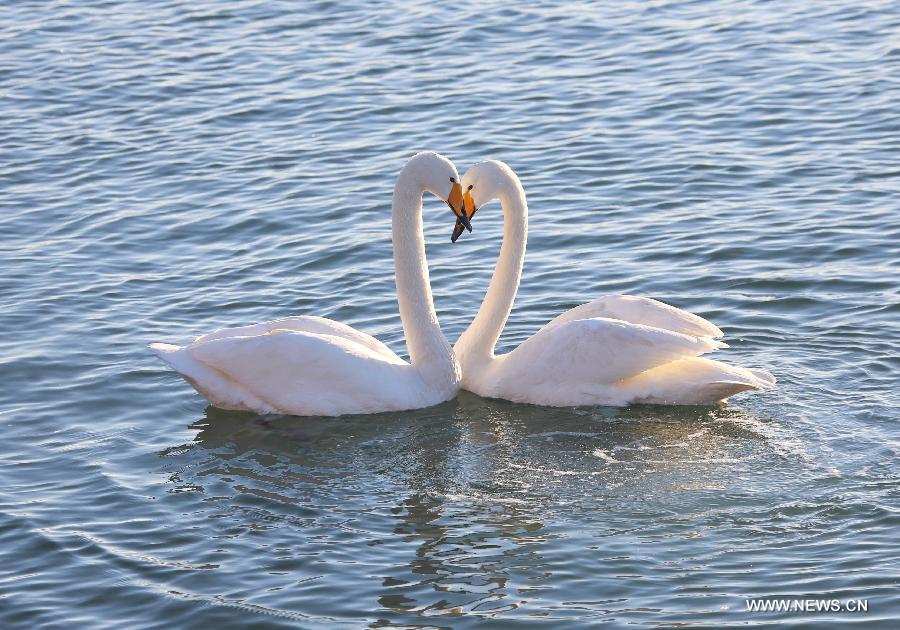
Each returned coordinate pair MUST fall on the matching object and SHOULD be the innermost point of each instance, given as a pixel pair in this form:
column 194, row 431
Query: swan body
column 615, row 350
column 316, row 366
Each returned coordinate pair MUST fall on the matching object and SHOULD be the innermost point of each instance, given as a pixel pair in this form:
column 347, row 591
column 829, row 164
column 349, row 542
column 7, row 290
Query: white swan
column 615, row 350
column 315, row 366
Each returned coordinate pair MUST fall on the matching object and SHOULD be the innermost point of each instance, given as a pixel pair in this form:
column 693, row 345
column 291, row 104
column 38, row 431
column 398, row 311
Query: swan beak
column 469, row 209
column 469, row 204
column 457, row 204
column 457, row 230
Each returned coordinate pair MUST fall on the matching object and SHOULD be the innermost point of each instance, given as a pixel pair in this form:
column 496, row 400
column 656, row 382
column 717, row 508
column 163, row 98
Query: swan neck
column 479, row 340
column 428, row 349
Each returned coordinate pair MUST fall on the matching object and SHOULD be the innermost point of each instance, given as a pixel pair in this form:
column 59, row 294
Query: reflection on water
column 450, row 509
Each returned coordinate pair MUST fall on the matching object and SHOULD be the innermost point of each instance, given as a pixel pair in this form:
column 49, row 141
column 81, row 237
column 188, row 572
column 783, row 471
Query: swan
column 616, row 350
column 313, row 366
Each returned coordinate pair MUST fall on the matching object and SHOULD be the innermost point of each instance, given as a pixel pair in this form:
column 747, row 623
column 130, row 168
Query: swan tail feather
column 697, row 381
column 721, row 390
column 213, row 385
column 163, row 350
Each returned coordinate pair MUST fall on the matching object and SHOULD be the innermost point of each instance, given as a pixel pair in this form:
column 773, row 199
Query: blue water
column 170, row 168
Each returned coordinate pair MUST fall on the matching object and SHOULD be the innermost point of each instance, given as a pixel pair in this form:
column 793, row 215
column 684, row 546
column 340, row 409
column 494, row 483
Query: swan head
column 436, row 174
column 481, row 184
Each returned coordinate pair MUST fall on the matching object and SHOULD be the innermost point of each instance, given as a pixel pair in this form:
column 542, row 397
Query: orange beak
column 469, row 204
column 469, row 209
column 456, row 201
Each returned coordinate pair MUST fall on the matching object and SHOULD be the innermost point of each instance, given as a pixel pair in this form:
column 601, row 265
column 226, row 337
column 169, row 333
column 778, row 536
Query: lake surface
column 170, row 168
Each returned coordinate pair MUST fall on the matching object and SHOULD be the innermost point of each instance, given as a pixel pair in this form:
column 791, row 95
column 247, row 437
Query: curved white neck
column 428, row 349
column 480, row 338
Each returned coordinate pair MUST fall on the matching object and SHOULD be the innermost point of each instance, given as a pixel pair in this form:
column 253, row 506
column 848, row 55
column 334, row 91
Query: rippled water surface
column 170, row 168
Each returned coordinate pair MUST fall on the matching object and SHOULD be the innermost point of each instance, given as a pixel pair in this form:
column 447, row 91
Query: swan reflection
column 450, row 509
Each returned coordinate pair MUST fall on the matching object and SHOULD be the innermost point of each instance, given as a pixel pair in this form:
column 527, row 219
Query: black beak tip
column 457, row 231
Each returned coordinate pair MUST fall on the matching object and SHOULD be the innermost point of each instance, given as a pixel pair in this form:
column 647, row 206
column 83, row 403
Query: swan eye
column 471, row 186
column 453, row 179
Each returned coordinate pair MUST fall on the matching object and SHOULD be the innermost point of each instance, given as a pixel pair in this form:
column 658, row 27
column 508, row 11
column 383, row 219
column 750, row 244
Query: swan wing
column 594, row 351
column 303, row 323
column 640, row 310
column 305, row 373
